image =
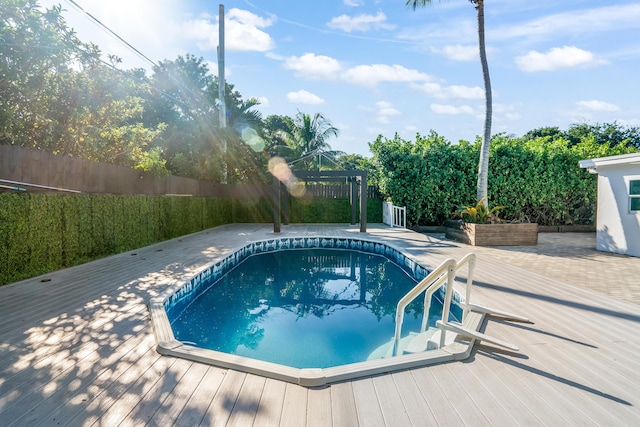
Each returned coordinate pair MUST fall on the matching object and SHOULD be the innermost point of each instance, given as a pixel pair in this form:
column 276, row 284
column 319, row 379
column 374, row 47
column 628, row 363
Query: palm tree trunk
column 483, row 164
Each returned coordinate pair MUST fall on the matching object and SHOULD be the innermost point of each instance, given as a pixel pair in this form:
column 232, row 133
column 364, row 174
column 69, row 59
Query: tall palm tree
column 483, row 164
column 308, row 140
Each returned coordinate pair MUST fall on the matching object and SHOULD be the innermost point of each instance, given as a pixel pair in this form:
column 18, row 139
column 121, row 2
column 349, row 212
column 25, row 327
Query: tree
column 308, row 141
column 277, row 131
column 184, row 96
column 611, row 134
column 483, row 164
column 38, row 54
column 548, row 131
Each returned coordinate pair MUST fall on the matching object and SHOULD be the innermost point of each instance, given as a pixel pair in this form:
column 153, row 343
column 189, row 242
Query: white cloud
column 213, row 69
column 451, row 109
column 375, row 131
column 361, row 22
column 315, row 67
column 555, row 59
column 385, row 110
column 242, row 31
column 503, row 112
column 157, row 36
column 455, row 91
column 274, row 56
column 607, row 18
column 595, row 105
column 629, row 122
column 353, row 2
column 263, row 100
column 371, row 75
column 304, row 97
column 460, row 53
column 465, row 32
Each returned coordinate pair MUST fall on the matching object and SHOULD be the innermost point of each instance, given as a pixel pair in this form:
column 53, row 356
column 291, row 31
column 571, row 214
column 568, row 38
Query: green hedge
column 537, row 180
column 40, row 233
column 325, row 211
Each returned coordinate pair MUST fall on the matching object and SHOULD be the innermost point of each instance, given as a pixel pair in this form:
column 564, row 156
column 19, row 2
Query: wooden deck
column 77, row 348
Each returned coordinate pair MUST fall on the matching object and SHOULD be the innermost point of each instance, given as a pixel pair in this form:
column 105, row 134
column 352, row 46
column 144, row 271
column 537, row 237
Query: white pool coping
column 166, row 344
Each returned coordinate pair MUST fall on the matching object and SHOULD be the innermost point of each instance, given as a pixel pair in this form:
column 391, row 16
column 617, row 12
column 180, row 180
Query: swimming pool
column 240, row 339
column 305, row 308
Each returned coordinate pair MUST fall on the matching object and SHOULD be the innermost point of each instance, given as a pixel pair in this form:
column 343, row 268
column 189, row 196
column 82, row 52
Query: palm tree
column 308, row 140
column 483, row 164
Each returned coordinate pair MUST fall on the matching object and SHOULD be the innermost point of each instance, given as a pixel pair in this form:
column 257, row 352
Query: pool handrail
column 445, row 271
column 470, row 259
column 467, row 306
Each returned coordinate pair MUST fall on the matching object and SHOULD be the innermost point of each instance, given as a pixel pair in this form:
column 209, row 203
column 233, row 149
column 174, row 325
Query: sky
column 377, row 67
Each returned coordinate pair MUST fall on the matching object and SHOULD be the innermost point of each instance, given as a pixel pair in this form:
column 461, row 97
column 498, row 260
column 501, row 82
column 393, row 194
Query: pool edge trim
column 166, row 344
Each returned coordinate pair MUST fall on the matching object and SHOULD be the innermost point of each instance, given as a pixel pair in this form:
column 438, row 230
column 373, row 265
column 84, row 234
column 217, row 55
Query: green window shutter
column 634, row 195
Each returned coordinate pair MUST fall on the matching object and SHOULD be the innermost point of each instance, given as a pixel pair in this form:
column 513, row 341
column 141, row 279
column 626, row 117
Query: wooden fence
column 338, row 191
column 24, row 166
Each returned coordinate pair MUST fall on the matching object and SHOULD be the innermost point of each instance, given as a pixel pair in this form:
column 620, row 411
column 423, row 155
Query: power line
column 110, row 31
column 325, row 31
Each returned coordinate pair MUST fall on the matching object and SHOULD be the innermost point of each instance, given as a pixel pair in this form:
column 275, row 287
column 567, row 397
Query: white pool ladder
column 446, row 272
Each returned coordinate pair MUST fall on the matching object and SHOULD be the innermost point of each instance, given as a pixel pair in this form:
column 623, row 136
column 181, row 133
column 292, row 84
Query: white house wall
column 618, row 228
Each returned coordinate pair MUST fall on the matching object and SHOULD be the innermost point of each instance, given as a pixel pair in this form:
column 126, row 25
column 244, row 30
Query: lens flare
column 279, row 168
column 252, row 139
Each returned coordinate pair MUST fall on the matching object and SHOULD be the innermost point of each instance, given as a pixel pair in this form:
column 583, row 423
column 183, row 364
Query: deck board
column 488, row 403
column 319, row 407
column 198, row 404
column 524, row 401
column 442, row 408
column 225, row 399
column 592, row 391
column 366, row 401
column 79, row 350
column 394, row 410
column 418, row 409
column 167, row 413
column 294, row 408
column 248, row 402
column 343, row 407
column 271, row 403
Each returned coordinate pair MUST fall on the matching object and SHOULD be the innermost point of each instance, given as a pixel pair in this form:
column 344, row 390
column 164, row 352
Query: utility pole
column 221, row 83
column 222, row 112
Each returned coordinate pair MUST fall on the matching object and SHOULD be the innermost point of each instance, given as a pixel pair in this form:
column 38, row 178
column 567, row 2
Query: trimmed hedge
column 537, row 180
column 40, row 233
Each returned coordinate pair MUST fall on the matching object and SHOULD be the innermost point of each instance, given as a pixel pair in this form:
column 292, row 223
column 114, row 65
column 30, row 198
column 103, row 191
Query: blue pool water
column 304, row 308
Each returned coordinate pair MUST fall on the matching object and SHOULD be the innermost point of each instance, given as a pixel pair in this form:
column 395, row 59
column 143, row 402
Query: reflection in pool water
column 302, row 308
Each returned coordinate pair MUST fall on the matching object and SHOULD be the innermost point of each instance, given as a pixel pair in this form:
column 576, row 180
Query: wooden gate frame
column 325, row 176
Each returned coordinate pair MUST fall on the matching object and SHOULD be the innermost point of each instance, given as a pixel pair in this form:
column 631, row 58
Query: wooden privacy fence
column 20, row 166
column 338, row 191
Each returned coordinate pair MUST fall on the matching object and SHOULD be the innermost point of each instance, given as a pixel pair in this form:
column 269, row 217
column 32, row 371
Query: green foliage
column 608, row 134
column 374, row 211
column 429, row 176
column 58, row 95
column 479, row 214
column 536, row 178
column 303, row 141
column 37, row 52
column 40, row 233
column 320, row 211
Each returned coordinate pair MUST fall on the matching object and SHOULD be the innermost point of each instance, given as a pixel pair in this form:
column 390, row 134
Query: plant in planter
column 479, row 214
column 480, row 226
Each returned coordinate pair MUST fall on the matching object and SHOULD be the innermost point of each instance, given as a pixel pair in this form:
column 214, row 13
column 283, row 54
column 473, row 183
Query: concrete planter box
column 493, row 234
